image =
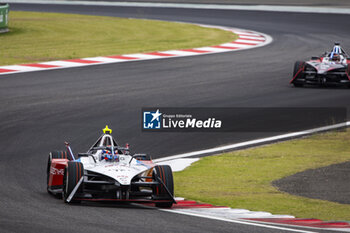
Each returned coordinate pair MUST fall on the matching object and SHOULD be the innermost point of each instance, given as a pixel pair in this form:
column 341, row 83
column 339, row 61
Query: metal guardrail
column 4, row 12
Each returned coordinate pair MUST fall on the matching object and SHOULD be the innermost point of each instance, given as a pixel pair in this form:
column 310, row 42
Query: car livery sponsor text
column 55, row 171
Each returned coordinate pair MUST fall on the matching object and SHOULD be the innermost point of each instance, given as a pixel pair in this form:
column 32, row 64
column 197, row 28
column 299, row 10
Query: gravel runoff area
column 331, row 183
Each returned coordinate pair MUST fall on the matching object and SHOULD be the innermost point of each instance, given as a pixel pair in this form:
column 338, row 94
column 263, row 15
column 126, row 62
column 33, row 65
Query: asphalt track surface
column 322, row 183
column 40, row 110
column 319, row 3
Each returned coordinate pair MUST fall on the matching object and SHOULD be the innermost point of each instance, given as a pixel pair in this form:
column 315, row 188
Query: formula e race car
column 330, row 68
column 107, row 172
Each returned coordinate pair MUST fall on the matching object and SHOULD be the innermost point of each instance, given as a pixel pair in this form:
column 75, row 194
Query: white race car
column 107, row 172
column 330, row 68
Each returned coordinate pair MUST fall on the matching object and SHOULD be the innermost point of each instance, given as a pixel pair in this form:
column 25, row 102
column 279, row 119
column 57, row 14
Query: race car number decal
column 55, row 171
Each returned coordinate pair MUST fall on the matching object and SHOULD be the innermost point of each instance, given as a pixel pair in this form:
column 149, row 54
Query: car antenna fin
column 107, row 130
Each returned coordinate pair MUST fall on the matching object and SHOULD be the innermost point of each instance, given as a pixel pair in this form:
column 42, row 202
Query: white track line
column 179, row 164
column 238, row 221
column 101, row 59
column 258, row 39
column 240, row 39
column 302, row 226
column 273, row 8
column 143, row 56
column 20, row 68
column 255, row 142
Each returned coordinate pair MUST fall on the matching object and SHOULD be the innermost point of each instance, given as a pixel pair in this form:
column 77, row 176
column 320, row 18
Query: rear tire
column 164, row 173
column 297, row 66
column 72, row 174
column 53, row 155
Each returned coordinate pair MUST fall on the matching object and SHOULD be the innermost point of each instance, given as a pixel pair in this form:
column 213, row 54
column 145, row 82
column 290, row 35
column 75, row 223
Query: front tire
column 348, row 73
column 72, row 174
column 298, row 65
column 164, row 173
column 53, row 155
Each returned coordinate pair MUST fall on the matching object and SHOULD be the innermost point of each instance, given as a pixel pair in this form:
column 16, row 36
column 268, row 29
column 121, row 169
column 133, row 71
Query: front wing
column 308, row 75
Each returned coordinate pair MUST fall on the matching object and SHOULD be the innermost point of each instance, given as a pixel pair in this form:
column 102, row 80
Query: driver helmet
column 108, row 156
column 336, row 54
column 336, row 57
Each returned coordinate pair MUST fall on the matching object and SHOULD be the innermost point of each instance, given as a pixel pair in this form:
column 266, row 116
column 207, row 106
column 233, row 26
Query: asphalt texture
column 327, row 183
column 316, row 3
column 41, row 110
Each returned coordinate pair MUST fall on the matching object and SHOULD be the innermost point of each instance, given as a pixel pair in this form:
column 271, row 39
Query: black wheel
column 296, row 74
column 72, row 174
column 53, row 155
column 297, row 66
column 165, row 174
column 348, row 72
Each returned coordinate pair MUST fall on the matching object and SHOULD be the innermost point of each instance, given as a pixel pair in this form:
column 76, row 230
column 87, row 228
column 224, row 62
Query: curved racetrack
column 40, row 110
column 325, row 183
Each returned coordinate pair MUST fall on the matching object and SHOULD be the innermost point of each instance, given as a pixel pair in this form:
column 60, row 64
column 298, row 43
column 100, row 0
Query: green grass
column 242, row 179
column 35, row 37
